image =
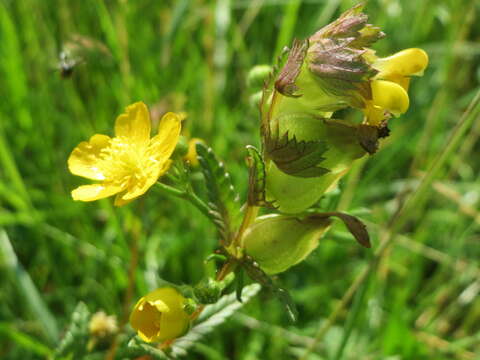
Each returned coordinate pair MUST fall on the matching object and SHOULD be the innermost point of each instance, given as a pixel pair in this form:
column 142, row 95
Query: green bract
column 307, row 152
column 277, row 242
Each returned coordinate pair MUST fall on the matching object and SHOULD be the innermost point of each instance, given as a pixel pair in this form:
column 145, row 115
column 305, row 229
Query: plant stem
column 250, row 215
column 188, row 195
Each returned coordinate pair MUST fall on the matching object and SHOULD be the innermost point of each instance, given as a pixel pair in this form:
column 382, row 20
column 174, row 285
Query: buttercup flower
column 129, row 163
column 160, row 315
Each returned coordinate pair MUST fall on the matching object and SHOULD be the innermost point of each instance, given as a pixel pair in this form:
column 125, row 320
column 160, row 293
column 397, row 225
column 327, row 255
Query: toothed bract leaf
column 335, row 144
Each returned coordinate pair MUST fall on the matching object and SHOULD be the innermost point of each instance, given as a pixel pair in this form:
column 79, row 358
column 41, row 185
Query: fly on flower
column 128, row 164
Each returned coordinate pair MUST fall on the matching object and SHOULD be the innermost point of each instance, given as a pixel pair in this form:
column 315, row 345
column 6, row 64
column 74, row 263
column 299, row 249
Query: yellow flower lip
column 390, row 96
column 129, row 163
column 408, row 62
column 160, row 315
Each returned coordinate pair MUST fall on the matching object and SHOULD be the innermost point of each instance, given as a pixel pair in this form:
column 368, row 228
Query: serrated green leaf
column 224, row 201
column 256, row 178
column 75, row 339
column 257, row 274
column 296, row 158
column 212, row 316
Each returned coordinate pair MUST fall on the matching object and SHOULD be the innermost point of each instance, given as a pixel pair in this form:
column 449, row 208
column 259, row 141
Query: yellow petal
column 94, row 192
column 84, row 159
column 390, row 96
column 160, row 306
column 141, row 188
column 407, row 62
column 120, row 202
column 160, row 316
column 134, row 124
column 162, row 145
column 145, row 318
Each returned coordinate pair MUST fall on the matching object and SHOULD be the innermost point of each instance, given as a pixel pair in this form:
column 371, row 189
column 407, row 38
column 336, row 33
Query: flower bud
column 160, row 315
column 208, row 291
column 277, row 242
column 191, row 155
column 181, row 149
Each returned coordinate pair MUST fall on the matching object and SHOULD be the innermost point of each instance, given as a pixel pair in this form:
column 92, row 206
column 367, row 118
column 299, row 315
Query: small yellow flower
column 102, row 325
column 390, row 85
column 160, row 315
column 129, row 163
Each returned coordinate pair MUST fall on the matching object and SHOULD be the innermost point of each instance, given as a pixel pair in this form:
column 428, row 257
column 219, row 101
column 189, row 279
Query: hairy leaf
column 223, row 200
column 75, row 339
column 212, row 316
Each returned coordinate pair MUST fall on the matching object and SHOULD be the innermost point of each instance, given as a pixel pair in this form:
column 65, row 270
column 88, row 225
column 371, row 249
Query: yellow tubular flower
column 160, row 315
column 131, row 162
column 390, row 85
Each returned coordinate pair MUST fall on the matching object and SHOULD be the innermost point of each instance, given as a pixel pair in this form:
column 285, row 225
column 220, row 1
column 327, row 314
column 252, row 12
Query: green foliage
column 224, row 201
column 74, row 341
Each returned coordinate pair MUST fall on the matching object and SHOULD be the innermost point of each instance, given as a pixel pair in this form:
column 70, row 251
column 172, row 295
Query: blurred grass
column 420, row 302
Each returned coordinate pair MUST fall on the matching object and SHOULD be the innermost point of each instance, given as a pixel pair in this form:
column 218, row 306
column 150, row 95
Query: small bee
column 66, row 64
column 76, row 51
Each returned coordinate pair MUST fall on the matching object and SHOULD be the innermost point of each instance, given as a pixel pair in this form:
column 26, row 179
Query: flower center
column 126, row 162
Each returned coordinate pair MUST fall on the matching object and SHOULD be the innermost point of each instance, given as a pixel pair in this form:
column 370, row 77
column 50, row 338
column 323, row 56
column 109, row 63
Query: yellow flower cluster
column 129, row 163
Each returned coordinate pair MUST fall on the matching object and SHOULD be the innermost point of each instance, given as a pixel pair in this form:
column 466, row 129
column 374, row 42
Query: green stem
column 188, row 195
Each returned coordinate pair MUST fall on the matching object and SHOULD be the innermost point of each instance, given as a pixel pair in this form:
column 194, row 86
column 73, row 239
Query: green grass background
column 419, row 301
